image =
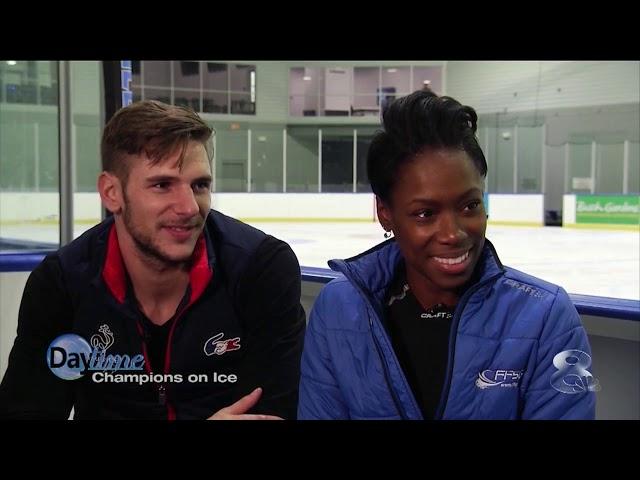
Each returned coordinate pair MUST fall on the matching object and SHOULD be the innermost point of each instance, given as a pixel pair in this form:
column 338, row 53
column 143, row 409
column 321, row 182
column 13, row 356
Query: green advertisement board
column 615, row 209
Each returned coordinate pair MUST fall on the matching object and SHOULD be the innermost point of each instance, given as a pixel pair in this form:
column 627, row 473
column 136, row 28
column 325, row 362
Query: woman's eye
column 425, row 214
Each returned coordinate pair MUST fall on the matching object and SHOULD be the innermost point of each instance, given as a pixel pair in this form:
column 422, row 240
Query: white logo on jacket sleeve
column 572, row 375
column 495, row 378
column 217, row 346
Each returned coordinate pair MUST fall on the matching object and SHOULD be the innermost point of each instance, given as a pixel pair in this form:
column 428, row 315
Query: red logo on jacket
column 216, row 346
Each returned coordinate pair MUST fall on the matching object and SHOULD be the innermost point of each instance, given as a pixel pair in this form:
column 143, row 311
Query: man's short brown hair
column 152, row 127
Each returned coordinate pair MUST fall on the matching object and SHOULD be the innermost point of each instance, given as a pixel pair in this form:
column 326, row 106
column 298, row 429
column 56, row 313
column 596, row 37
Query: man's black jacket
column 241, row 316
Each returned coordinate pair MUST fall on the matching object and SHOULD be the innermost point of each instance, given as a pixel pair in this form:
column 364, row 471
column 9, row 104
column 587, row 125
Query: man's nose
column 185, row 203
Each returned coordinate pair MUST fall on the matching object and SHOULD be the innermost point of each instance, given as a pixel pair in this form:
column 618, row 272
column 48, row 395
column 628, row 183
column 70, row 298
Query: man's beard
column 146, row 246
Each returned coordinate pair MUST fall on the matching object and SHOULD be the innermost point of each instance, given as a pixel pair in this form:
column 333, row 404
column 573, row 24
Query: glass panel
column 365, row 135
column 241, row 104
column 337, row 91
column 386, row 95
column 231, row 157
column 529, row 159
column 241, row 77
column 554, row 182
column 157, row 74
column 187, row 98
column 48, row 139
column 85, row 105
column 491, row 156
column 48, row 82
column 215, row 102
column 162, row 95
column 297, row 85
column 579, row 168
column 428, row 76
column 634, row 167
column 136, row 74
column 88, row 165
column 609, row 168
column 19, row 167
column 29, row 199
column 137, row 94
column 304, row 106
column 337, row 106
column 21, row 81
column 504, row 160
column 215, row 77
column 366, row 80
column 365, row 106
column 302, row 159
column 304, row 91
column 186, row 75
column 266, row 159
column 396, row 80
column 337, row 159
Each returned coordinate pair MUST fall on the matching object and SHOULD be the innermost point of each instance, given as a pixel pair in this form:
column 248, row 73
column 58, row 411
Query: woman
column 429, row 324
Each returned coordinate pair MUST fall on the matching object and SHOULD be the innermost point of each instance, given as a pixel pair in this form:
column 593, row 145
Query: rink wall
column 601, row 211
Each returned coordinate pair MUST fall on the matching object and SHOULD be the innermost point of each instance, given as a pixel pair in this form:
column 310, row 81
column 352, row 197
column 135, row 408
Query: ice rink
column 590, row 262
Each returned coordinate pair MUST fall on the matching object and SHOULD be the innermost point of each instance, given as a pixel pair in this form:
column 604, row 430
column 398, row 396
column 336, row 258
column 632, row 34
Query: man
column 167, row 309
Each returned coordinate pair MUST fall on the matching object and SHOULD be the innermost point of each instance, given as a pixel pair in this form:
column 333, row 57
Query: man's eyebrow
column 160, row 178
column 169, row 178
column 204, row 178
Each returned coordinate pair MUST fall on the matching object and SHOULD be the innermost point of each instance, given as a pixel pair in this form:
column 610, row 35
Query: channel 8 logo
column 572, row 374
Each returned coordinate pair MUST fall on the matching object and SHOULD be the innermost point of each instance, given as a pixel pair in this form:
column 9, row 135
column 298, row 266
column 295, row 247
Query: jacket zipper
column 387, row 375
column 453, row 335
column 385, row 367
column 162, row 396
column 162, row 389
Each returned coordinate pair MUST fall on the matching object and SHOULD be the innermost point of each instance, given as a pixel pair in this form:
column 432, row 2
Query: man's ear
column 384, row 214
column 110, row 189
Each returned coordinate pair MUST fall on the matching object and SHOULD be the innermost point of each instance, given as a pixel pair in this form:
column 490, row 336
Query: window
column 207, row 87
column 29, row 156
column 355, row 91
column 304, row 91
column 29, row 82
column 337, row 159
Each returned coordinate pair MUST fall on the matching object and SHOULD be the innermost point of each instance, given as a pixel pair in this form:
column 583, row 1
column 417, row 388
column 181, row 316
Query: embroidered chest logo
column 103, row 340
column 498, row 378
column 217, row 346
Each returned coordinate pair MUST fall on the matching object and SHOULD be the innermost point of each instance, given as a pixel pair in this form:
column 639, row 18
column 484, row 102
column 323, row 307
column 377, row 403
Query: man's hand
column 236, row 411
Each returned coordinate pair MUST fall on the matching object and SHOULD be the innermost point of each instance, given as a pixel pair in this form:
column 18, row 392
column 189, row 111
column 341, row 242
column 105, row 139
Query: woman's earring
column 387, row 234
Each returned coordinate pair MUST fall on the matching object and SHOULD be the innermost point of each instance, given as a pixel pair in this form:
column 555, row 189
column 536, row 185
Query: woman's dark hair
column 412, row 124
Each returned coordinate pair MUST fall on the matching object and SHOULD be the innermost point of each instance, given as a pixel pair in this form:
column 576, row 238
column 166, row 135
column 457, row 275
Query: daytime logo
column 70, row 356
